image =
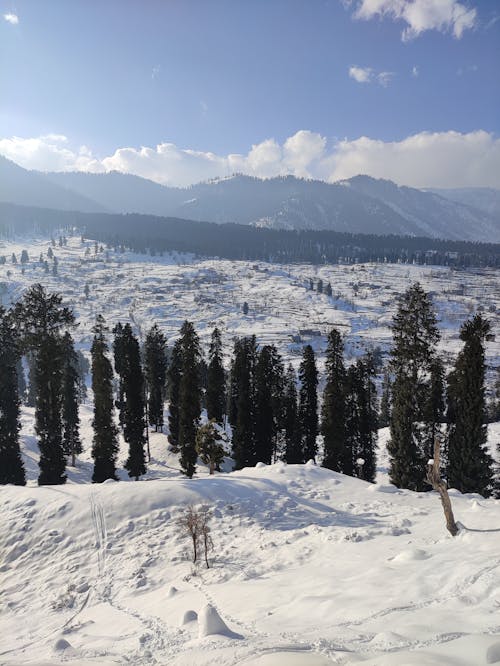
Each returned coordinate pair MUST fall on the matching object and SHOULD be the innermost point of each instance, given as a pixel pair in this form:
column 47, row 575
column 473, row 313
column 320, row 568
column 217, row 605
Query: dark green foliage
column 105, row 440
column 209, row 445
column 267, row 403
column 469, row 463
column 415, row 337
column 243, row 383
column 174, row 382
column 48, row 409
column 308, row 405
column 21, row 381
column 24, row 257
column 328, row 289
column 120, row 369
column 155, row 373
column 134, row 423
column 41, row 318
column 216, row 380
column 190, row 395
column 433, row 406
column 320, row 286
column 293, row 449
column 337, row 454
column 11, row 464
column 245, row 308
column 385, row 401
column 71, row 443
column 361, row 417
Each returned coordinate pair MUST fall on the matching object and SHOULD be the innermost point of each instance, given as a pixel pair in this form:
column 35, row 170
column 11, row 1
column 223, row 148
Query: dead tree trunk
column 434, row 479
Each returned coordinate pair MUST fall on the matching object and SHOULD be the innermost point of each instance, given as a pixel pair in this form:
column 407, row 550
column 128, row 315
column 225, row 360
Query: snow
column 309, row 567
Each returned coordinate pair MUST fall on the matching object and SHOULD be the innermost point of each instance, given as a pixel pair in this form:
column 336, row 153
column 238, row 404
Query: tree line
column 270, row 412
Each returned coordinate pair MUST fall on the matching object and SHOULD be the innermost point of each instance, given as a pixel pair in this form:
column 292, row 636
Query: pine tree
column 105, row 440
column 293, row 448
column 337, row 455
column 41, row 318
column 243, row 379
column 216, row 381
column 264, row 426
column 433, row 409
column 11, row 464
column 328, row 289
column 156, row 372
column 209, row 446
column 134, row 423
column 469, row 463
column 174, row 381
column 308, row 404
column 120, row 369
column 363, row 395
column 21, row 381
column 415, row 337
column 385, row 401
column 190, row 395
column 72, row 445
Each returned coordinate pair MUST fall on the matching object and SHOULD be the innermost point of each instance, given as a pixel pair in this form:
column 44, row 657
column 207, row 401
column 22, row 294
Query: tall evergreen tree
column 72, row 445
column 386, row 400
column 190, row 395
column 155, row 372
column 216, row 380
column 433, row 409
column 42, row 318
column 415, row 337
column 243, row 379
column 119, row 359
column 105, row 440
column 308, row 404
column 469, row 463
column 174, row 381
column 264, row 426
column 11, row 464
column 337, row 454
column 134, row 423
column 293, row 449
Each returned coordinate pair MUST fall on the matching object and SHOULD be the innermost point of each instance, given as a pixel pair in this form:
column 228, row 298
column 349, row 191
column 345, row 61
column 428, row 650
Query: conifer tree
column 433, row 410
column 385, row 401
column 469, row 463
column 190, row 395
column 120, row 369
column 244, row 448
column 308, row 404
column 11, row 464
column 72, row 445
column 21, row 381
column 365, row 398
column 105, row 440
column 264, row 427
column 293, row 449
column 134, row 422
column 232, row 399
column 328, row 289
column 174, row 381
column 155, row 372
column 415, row 337
column 216, row 381
column 41, row 318
column 337, row 454
column 209, row 446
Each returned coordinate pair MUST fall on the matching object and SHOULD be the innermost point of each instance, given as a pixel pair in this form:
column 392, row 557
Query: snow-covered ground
column 309, row 567
column 170, row 289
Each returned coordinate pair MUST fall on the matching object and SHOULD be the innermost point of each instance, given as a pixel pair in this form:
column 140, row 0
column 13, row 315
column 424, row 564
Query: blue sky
column 86, row 84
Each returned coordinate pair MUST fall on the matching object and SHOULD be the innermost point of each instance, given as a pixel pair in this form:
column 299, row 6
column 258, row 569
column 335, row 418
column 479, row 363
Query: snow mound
column 259, row 465
column 411, row 555
column 210, row 623
column 172, row 591
column 381, row 488
column 189, row 616
column 62, row 645
column 289, row 658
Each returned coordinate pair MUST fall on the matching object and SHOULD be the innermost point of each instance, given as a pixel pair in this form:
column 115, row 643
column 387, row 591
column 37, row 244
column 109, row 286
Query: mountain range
column 359, row 205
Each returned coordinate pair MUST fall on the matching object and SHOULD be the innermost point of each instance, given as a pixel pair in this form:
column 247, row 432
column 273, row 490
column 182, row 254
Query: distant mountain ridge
column 359, row 205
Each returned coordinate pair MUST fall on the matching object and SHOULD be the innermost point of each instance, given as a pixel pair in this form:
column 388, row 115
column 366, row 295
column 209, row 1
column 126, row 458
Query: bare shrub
column 194, row 523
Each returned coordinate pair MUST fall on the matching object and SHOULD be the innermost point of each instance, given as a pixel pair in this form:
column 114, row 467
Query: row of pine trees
column 272, row 413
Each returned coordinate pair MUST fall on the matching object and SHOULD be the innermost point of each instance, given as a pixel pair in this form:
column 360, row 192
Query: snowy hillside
column 309, row 568
column 282, row 309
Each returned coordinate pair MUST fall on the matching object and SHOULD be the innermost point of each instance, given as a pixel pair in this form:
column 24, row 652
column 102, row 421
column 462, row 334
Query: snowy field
column 309, row 567
column 282, row 310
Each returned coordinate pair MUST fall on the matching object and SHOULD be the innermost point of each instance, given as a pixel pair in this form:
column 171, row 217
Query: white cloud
column 369, row 75
column 13, row 19
column 439, row 159
column 414, row 71
column 360, row 74
column 420, row 15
